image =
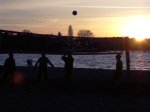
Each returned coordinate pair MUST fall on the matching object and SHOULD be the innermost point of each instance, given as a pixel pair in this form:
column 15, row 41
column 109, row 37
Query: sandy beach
column 91, row 90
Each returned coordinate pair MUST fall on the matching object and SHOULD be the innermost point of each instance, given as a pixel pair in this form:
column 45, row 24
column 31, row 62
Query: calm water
column 139, row 60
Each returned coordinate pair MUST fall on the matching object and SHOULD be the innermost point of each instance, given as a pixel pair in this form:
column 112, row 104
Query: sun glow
column 137, row 27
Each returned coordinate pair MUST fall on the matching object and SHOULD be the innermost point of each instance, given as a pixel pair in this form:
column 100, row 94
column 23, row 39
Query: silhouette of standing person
column 9, row 66
column 29, row 62
column 68, row 59
column 43, row 62
column 118, row 71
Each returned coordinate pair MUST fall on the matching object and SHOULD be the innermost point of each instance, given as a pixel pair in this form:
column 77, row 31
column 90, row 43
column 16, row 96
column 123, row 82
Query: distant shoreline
column 61, row 53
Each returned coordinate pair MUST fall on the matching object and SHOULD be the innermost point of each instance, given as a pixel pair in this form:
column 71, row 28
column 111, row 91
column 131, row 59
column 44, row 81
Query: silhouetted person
column 43, row 62
column 68, row 59
column 9, row 66
column 118, row 71
column 29, row 62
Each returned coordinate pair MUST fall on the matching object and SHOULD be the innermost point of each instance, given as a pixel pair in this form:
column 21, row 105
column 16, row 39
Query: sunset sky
column 102, row 17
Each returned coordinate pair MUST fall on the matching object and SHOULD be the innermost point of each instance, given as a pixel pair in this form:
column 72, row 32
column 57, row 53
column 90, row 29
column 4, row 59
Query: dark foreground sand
column 90, row 91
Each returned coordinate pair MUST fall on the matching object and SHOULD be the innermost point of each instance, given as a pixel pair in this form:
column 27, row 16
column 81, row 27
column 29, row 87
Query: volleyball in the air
column 74, row 12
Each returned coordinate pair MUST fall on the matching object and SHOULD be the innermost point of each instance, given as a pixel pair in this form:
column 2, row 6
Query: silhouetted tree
column 59, row 34
column 26, row 31
column 70, row 31
column 85, row 33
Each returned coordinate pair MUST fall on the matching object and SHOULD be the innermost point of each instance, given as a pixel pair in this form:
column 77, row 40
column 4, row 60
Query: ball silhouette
column 74, row 13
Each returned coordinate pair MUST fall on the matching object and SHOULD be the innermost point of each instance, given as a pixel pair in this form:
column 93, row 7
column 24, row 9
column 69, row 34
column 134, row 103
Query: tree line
column 80, row 33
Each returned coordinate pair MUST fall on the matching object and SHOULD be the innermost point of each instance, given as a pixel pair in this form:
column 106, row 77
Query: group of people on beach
column 42, row 64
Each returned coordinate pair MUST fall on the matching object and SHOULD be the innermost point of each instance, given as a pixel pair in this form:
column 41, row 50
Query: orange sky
column 102, row 17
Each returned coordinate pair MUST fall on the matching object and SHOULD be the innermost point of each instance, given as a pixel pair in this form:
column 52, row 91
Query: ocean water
column 140, row 60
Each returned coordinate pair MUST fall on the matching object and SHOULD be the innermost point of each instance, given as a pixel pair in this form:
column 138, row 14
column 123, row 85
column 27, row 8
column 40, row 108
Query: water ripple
column 139, row 60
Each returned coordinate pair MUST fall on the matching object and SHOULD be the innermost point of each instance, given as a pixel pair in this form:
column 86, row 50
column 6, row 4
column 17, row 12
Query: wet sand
column 90, row 91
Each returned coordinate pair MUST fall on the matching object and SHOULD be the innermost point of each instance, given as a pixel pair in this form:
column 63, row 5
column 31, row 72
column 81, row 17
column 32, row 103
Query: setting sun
column 137, row 27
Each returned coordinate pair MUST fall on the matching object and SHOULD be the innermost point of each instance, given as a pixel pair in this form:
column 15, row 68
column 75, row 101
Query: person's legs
column 68, row 76
column 8, row 75
column 5, row 75
column 45, row 75
column 40, row 75
column 117, row 78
